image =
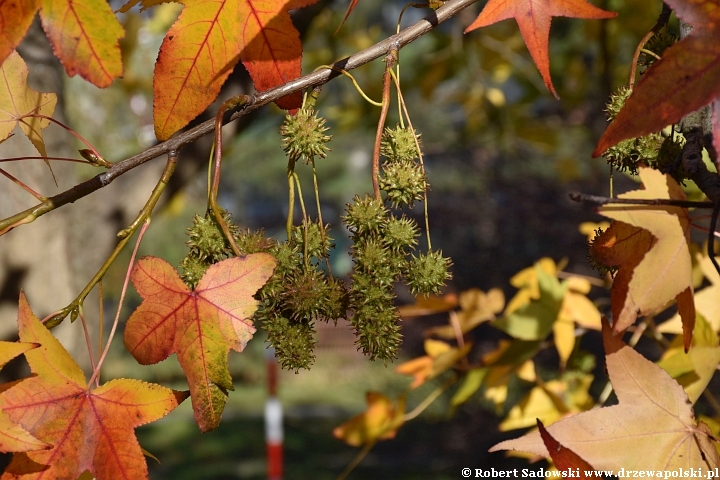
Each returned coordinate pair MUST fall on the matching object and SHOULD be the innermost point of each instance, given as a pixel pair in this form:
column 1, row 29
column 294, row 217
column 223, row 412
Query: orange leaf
column 15, row 19
column 563, row 458
column 686, row 78
column 18, row 100
column 89, row 430
column 203, row 46
column 14, row 438
column 200, row 326
column 534, row 17
column 84, row 35
column 651, row 428
column 648, row 237
column 380, row 421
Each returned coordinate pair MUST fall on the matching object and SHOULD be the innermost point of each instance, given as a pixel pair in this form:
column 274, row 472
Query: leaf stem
column 125, row 235
column 22, row 185
column 390, row 60
column 660, row 23
column 96, row 372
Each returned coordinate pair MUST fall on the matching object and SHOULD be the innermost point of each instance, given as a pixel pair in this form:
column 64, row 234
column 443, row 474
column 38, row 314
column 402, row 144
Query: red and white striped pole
column 273, row 421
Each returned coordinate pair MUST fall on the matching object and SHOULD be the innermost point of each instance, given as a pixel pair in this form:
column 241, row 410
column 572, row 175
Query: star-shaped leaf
column 89, row 430
column 652, row 427
column 200, row 326
column 686, row 78
column 533, row 17
column 651, row 247
column 206, row 42
column 14, row 438
column 18, row 100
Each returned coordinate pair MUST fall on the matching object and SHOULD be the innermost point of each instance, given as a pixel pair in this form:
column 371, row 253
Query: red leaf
column 15, row 19
column 206, row 42
column 85, row 37
column 563, row 458
column 201, row 326
column 89, row 430
column 533, row 18
column 686, row 78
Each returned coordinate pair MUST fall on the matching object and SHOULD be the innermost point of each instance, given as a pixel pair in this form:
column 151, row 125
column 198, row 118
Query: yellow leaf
column 695, row 369
column 664, row 271
column 652, row 427
column 379, row 422
column 476, row 307
column 18, row 100
column 441, row 357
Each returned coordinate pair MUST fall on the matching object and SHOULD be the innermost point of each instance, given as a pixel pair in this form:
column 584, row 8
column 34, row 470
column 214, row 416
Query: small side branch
column 598, row 200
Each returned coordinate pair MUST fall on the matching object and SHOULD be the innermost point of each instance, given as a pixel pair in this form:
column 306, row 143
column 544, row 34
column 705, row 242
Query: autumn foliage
column 59, row 425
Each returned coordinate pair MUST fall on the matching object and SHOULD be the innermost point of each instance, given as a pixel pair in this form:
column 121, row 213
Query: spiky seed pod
column 593, row 262
column 192, row 269
column 657, row 44
column 616, row 102
column 335, row 304
column 304, row 294
column 294, row 342
column 374, row 257
column 404, row 183
column 401, row 233
column 303, row 136
column 427, row 273
column 398, row 145
column 207, row 240
column 378, row 332
column 249, row 241
column 365, row 216
column 315, row 246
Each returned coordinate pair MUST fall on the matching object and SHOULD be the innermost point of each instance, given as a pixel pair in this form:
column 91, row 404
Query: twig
column 390, row 60
column 96, row 371
column 408, row 35
column 661, row 22
column 125, row 234
column 598, row 200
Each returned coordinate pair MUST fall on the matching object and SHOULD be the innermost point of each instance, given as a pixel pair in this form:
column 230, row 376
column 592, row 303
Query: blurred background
column 501, row 155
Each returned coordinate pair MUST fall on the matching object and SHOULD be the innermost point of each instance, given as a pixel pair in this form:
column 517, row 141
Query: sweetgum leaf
column 686, row 78
column 17, row 99
column 563, row 458
column 534, row 17
column 200, row 325
column 85, row 36
column 652, row 427
column 89, row 430
column 14, row 438
column 15, row 19
column 206, row 42
column 650, row 244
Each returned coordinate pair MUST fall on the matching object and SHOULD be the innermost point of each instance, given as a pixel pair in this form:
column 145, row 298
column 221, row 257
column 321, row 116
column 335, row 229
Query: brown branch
column 598, row 200
column 408, row 35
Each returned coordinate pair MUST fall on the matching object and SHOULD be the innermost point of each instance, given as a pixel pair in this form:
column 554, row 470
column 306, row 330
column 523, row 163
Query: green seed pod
column 365, row 216
column 378, row 332
column 304, row 295
column 193, row 270
column 294, row 342
column 401, row 233
column 304, row 136
column 427, row 274
column 315, row 246
column 252, row 242
column 398, row 145
column 404, row 183
column 374, row 258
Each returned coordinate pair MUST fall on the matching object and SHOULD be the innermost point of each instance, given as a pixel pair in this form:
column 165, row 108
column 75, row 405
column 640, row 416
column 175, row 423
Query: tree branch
column 255, row 101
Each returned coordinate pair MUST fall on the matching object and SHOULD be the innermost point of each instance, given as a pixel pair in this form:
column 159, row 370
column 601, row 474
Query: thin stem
column 232, row 103
column 22, row 185
column 291, row 199
column 304, row 220
column 648, row 52
column 390, row 60
column 661, row 22
column 429, row 399
column 87, row 340
column 320, row 220
column 125, row 237
column 258, row 100
column 101, row 327
column 96, row 371
column 62, row 159
column 356, row 461
column 422, row 162
column 357, row 86
column 598, row 200
column 58, row 122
